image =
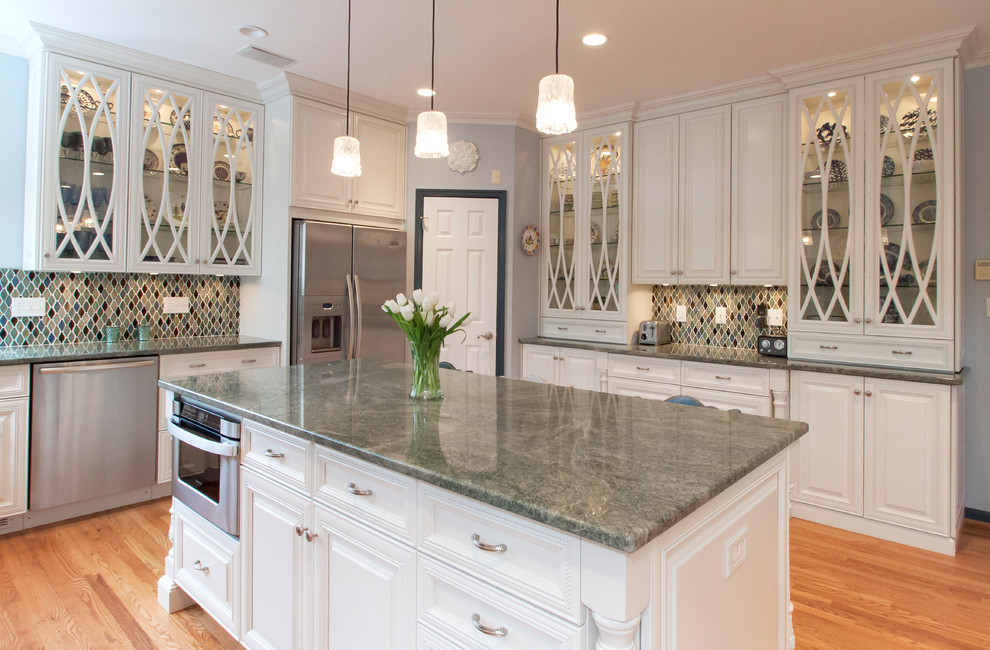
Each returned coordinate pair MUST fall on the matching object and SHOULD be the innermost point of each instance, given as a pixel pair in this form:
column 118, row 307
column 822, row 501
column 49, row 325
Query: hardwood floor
column 853, row 591
column 92, row 583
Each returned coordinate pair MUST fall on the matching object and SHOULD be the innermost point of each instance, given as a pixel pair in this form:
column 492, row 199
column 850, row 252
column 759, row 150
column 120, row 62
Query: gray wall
column 976, row 245
column 515, row 153
column 13, row 143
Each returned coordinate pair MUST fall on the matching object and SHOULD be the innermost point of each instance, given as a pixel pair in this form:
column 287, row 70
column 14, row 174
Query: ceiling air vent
column 258, row 54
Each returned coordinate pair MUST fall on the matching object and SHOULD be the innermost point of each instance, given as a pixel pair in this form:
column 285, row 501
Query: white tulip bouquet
column 426, row 323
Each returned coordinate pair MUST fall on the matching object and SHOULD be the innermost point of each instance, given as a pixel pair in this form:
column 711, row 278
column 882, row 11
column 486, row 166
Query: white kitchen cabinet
column 564, row 366
column 878, row 272
column 880, row 458
column 378, row 191
column 655, row 208
column 14, row 400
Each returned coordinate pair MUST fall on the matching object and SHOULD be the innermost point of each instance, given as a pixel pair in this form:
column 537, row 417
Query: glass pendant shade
column 555, row 112
column 346, row 156
column 431, row 135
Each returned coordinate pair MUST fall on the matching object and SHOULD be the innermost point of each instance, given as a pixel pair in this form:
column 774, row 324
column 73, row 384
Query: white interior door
column 460, row 262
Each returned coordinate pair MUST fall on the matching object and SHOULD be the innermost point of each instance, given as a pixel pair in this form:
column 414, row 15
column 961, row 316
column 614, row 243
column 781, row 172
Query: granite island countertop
column 18, row 354
column 612, row 469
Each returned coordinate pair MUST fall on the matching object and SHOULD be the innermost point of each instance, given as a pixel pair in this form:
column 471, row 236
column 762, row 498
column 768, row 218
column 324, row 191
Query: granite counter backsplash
column 80, row 305
column 740, row 329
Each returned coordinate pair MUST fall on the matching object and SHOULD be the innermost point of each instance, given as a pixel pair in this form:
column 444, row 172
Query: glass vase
column 426, row 371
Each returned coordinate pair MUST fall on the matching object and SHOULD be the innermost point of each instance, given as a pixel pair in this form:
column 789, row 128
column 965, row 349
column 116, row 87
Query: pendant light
column 431, row 125
column 555, row 112
column 347, row 150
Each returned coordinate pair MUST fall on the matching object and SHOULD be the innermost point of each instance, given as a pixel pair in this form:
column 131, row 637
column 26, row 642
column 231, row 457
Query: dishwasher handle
column 57, row 370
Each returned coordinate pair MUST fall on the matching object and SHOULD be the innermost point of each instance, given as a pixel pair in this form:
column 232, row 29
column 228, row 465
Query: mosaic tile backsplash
column 81, row 304
column 739, row 330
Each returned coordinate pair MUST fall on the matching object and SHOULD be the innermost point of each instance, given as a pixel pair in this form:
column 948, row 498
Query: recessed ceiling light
column 253, row 31
column 594, row 39
column 426, row 92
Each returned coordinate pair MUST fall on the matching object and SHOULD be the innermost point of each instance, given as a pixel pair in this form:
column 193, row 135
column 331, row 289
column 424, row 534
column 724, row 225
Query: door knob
column 488, row 336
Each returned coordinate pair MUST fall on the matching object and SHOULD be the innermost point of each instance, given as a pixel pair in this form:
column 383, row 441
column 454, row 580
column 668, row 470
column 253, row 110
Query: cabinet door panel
column 654, row 240
column 314, row 128
column 13, row 456
column 560, row 226
column 829, row 471
column 704, row 196
column 539, row 361
column 907, row 454
column 759, row 240
column 380, row 189
column 580, row 369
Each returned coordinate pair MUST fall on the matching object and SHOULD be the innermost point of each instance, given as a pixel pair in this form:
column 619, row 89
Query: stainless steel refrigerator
column 341, row 275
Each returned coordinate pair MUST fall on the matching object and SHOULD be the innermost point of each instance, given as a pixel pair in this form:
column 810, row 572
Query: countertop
column 17, row 354
column 616, row 470
column 751, row 358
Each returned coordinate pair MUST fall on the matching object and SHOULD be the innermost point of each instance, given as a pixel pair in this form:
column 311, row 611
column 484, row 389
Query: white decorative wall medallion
column 463, row 156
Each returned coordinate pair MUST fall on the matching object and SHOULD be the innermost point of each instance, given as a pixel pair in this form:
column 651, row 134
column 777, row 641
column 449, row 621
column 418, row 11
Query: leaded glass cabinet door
column 603, row 249
column 164, row 177
column 83, row 224
column 830, row 208
column 232, row 175
column 909, row 208
column 561, row 246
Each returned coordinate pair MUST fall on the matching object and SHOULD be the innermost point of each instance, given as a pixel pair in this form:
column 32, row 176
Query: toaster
column 653, row 332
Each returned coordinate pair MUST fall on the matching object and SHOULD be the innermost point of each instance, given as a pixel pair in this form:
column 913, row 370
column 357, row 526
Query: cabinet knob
column 857, row 320
column 48, row 256
column 857, row 391
column 869, row 393
column 732, row 272
column 680, row 273
column 299, row 530
column 356, row 201
column 310, row 536
column 673, row 272
column 867, row 320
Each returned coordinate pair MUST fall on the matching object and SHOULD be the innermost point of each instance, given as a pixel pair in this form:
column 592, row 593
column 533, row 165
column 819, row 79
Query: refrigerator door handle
column 350, row 318
column 360, row 319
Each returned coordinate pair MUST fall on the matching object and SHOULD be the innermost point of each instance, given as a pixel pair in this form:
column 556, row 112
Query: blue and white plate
column 925, row 212
column 833, row 219
column 886, row 209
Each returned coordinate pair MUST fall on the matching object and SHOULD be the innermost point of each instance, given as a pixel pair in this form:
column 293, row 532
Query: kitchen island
column 501, row 516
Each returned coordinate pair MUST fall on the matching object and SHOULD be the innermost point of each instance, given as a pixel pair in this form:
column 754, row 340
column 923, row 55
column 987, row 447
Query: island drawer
column 457, row 607
column 667, row 371
column 207, row 566
column 14, row 381
column 726, row 401
column 737, row 379
column 532, row 561
column 201, row 363
column 280, row 455
column 644, row 389
column 376, row 497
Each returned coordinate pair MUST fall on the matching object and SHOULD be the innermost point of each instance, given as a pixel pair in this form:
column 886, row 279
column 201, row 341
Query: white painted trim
column 607, row 116
column 878, row 529
column 716, row 96
column 978, row 60
column 11, row 46
column 91, row 49
column 894, row 55
column 285, row 84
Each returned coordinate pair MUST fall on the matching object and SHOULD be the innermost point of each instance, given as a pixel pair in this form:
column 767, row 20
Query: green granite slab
column 616, row 470
column 17, row 354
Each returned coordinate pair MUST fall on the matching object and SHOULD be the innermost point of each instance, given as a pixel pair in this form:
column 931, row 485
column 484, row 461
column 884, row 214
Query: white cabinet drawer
column 537, row 563
column 376, row 497
column 640, row 388
column 667, row 371
column 275, row 454
column 457, row 606
column 726, row 401
column 201, row 363
column 920, row 354
column 14, row 381
column 737, row 379
column 601, row 331
column 208, row 567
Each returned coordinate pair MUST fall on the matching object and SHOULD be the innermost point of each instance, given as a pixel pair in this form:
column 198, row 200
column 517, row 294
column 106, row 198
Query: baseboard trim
column 879, row 529
column 977, row 515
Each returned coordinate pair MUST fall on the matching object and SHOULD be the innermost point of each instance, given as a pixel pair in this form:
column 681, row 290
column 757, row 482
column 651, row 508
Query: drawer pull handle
column 197, row 365
column 902, row 352
column 249, row 360
column 723, row 378
column 600, row 331
column 496, row 548
column 300, row 530
column 490, row 631
column 353, row 489
column 829, row 347
column 562, row 329
column 271, row 453
column 643, row 368
column 199, row 566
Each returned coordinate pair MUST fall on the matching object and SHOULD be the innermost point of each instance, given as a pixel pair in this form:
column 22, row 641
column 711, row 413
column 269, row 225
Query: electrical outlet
column 175, row 305
column 775, row 317
column 720, row 315
column 27, row 307
column 735, row 552
column 681, row 314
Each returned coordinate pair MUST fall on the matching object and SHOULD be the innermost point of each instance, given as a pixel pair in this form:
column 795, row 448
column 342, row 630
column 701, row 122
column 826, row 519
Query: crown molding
column 737, row 91
column 286, row 84
column 11, row 46
column 978, row 60
column 60, row 41
column 945, row 44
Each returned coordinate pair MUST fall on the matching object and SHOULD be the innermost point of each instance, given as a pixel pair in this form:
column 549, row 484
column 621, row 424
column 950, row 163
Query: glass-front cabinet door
column 830, row 206
column 603, row 249
column 164, row 177
column 85, row 195
column 908, row 215
column 233, row 199
column 561, row 247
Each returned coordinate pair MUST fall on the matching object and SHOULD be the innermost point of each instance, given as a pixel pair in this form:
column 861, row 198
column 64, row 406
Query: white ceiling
column 491, row 55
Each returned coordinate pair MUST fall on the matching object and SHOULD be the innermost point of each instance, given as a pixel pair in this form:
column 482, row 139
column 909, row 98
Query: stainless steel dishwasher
column 93, row 429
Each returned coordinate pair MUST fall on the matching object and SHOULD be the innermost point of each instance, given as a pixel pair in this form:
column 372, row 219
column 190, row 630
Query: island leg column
column 615, row 586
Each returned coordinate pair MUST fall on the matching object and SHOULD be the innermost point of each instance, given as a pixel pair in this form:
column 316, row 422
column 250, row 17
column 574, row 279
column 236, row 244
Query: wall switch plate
column 496, row 176
column 735, row 552
column 775, row 317
column 176, row 305
column 982, row 270
column 681, row 314
column 27, row 307
column 721, row 315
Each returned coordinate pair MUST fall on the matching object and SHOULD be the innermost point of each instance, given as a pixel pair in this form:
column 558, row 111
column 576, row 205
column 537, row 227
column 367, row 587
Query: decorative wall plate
column 463, row 156
column 530, row 239
column 886, row 209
